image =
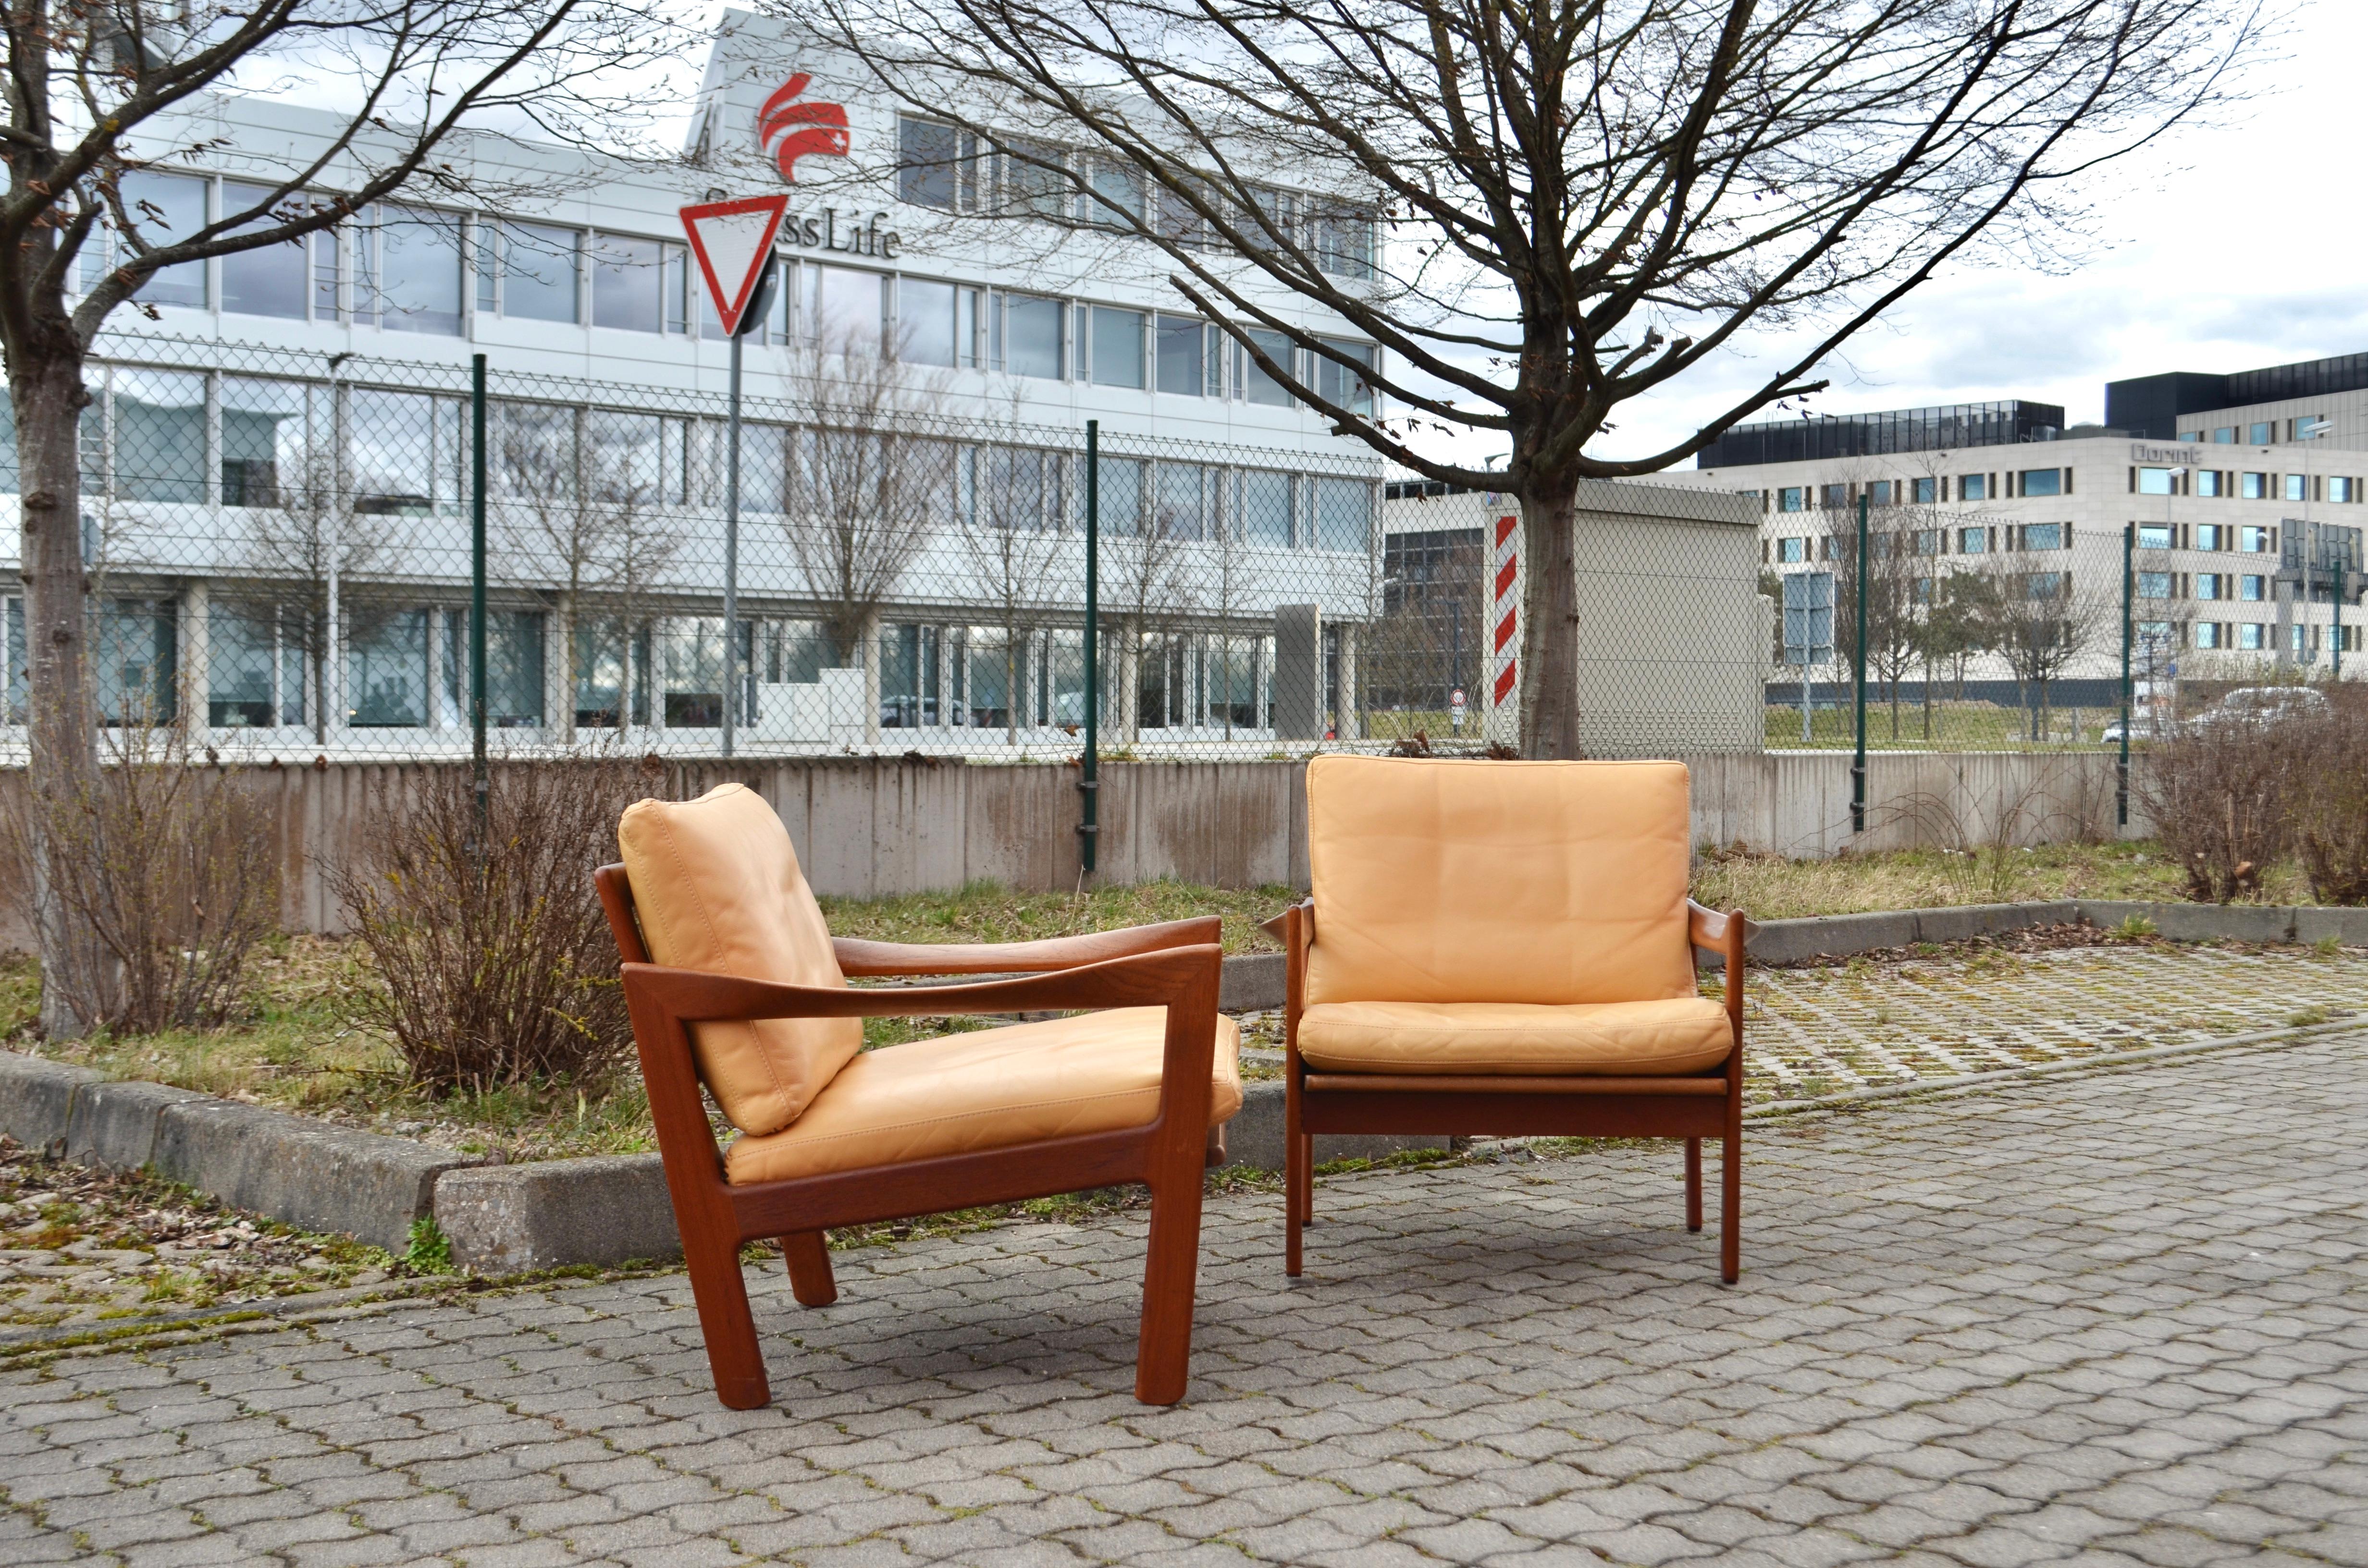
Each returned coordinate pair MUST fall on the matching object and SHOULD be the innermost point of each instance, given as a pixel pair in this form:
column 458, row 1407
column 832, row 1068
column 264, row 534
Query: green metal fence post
column 1089, row 779
column 2121, row 768
column 477, row 587
column 1858, row 681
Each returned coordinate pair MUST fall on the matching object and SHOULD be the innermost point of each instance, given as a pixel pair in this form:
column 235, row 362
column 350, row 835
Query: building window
column 1926, row 491
column 1973, row 487
column 1266, row 509
column 2295, row 490
column 840, row 310
column 2257, row 541
column 2042, row 481
column 1344, row 240
column 1792, row 550
column 2339, row 488
column 2207, row 482
column 513, row 667
column 1793, row 498
column 2254, row 586
column 2154, row 584
column 1341, row 386
column 539, row 267
column 2207, row 634
column 632, row 280
column 926, row 156
column 1343, row 510
column 1113, row 196
column 2155, row 481
column 2250, row 636
column 1254, row 383
column 2224, row 435
column 2208, row 586
column 1180, row 362
column 417, row 272
column 270, row 279
column 1879, row 493
column 2190, row 436
column 2214, row 536
column 168, row 210
column 2261, row 432
column 1973, row 541
column 927, row 329
column 1924, row 542
column 1833, row 497
column 2254, row 487
column 1118, row 347
column 268, row 442
column 2047, row 536
column 2153, row 536
column 2039, row 585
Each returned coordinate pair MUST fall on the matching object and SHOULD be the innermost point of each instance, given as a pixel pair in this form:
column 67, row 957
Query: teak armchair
column 831, row 1137
column 1507, row 948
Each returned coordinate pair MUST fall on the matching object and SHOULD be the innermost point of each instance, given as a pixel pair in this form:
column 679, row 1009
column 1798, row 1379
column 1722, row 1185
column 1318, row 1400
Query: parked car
column 2261, row 705
column 2142, row 727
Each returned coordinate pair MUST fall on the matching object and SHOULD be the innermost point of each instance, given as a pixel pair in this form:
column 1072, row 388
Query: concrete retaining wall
column 872, row 827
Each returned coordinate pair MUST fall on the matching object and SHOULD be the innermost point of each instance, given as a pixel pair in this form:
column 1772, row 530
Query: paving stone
column 2104, row 1319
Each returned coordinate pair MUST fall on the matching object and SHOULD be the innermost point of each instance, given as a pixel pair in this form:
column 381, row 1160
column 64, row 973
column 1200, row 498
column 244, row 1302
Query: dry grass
column 988, row 912
column 1772, row 887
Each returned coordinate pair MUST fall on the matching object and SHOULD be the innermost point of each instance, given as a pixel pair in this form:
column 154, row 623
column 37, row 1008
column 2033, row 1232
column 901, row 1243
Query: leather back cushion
column 1497, row 881
column 717, row 886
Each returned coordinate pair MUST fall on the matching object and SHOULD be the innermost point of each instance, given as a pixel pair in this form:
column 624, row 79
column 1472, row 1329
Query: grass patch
column 1955, row 726
column 1769, row 887
column 988, row 912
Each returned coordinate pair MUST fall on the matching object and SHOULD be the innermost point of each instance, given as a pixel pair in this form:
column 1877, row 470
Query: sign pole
column 478, row 771
column 1090, row 782
column 1858, row 680
column 2121, row 768
column 732, row 556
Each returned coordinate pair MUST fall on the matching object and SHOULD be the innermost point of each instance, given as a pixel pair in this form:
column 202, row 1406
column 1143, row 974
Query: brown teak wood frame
column 1693, row 1108
column 1174, row 965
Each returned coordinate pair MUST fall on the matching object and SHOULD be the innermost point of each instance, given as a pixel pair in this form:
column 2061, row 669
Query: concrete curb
column 606, row 1210
column 291, row 1169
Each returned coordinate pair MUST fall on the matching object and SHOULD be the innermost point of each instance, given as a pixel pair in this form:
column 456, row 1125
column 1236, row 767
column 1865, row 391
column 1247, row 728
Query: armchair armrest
column 689, row 996
column 860, row 955
column 1706, row 927
column 1279, row 928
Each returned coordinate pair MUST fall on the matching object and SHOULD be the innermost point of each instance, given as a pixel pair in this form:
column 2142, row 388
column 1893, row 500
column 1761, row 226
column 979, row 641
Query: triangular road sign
column 731, row 240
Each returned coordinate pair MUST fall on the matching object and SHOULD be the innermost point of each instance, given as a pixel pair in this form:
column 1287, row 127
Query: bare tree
column 2041, row 622
column 1896, row 562
column 868, row 480
column 1583, row 202
column 1011, row 502
column 586, row 516
column 104, row 89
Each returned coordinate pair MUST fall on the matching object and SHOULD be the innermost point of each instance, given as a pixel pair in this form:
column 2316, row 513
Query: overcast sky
column 2238, row 245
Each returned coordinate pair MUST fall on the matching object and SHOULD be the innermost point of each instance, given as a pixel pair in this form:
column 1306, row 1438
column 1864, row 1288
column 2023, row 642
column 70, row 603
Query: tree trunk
column 45, row 387
column 1549, row 670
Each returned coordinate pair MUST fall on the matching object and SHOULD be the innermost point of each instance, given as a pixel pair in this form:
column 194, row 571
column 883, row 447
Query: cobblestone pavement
column 2113, row 1316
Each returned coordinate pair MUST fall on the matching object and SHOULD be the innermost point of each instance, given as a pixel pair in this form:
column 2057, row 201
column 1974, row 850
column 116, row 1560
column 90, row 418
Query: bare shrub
column 167, row 871
column 2330, row 805
column 2218, row 793
column 496, row 963
column 1985, row 846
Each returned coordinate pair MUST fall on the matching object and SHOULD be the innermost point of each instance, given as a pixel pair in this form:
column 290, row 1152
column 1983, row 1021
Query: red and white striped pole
column 1504, row 720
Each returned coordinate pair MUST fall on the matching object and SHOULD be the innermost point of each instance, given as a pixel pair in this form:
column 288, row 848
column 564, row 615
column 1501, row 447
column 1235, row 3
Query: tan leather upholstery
column 1542, row 883
column 988, row 1089
column 1679, row 1034
column 717, row 886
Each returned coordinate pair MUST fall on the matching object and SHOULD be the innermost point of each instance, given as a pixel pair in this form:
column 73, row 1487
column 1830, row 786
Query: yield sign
column 732, row 240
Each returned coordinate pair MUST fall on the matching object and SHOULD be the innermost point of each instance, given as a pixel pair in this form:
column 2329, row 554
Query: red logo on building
column 801, row 129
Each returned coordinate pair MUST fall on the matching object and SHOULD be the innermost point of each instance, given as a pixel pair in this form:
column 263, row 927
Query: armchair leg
column 1163, row 1356
column 810, row 1277
column 1693, row 1185
column 1298, row 1175
column 1730, row 1208
column 721, row 1296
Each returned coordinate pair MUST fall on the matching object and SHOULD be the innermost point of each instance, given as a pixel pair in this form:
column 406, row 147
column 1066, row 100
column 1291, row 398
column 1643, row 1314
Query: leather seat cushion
column 717, row 887
column 1679, row 1034
column 1548, row 883
column 963, row 1093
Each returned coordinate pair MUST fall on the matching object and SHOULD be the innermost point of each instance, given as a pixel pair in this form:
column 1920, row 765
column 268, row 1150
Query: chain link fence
column 281, row 545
